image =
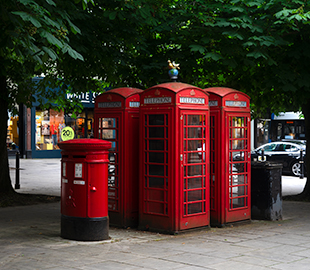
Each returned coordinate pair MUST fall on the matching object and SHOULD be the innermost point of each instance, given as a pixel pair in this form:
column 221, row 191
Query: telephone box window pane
column 156, row 145
column 239, row 202
column 156, row 170
column 238, row 121
column 156, row 195
column 156, row 119
column 155, row 182
column 194, row 158
column 194, row 145
column 109, row 134
column 194, row 183
column 194, row 120
column 156, row 157
column 236, row 156
column 236, row 144
column 194, row 133
column 194, row 170
column 194, row 208
column 237, row 191
column 112, row 204
column 195, row 195
column 156, row 132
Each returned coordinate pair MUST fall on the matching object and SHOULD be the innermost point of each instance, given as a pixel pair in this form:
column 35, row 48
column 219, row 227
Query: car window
column 269, row 147
column 290, row 148
column 280, row 147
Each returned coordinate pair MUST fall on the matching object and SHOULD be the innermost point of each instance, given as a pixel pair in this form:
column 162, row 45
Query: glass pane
column 239, row 167
column 237, row 133
column 156, row 132
column 108, row 122
column 108, row 134
column 194, row 145
column 156, row 119
column 238, row 144
column 156, row 145
column 237, row 203
column 195, row 195
column 194, row 170
column 194, row 133
column 156, row 195
column 194, row 158
column 194, row 120
column 194, row 208
column 157, row 157
column 156, row 170
column 155, row 182
column 194, row 183
column 238, row 121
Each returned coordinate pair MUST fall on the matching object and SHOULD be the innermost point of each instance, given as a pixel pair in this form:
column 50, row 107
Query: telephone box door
column 238, row 166
column 194, row 160
column 109, row 128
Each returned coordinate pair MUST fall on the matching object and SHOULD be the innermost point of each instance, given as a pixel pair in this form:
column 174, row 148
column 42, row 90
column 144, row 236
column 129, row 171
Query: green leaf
column 51, row 39
column 256, row 55
column 50, row 2
column 112, row 15
column 199, row 48
column 213, row 56
column 27, row 17
column 50, row 52
column 74, row 54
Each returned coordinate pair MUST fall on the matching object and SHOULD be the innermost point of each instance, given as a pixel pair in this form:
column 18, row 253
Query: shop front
column 47, row 126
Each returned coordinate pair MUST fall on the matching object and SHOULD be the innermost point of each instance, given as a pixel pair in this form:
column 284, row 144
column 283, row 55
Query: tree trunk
column 305, row 195
column 5, row 181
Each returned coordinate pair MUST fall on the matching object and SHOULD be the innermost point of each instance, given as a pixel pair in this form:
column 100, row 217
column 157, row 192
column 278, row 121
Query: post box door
column 194, row 174
column 109, row 129
column 238, row 166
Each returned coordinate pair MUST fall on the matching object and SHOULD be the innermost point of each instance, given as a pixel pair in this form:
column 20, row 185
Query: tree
column 255, row 46
column 34, row 34
column 259, row 47
column 78, row 47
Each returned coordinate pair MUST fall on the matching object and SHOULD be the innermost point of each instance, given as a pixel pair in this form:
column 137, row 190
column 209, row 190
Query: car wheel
column 295, row 169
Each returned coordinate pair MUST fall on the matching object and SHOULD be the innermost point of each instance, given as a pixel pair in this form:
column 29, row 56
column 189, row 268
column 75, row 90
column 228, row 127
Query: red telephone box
column 116, row 117
column 230, row 156
column 174, row 158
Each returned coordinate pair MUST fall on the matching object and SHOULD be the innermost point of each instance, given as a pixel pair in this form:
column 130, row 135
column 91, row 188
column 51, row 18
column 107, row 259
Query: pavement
column 30, row 237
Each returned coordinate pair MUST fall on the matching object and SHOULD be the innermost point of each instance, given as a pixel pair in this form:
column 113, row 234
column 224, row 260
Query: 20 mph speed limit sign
column 67, row 133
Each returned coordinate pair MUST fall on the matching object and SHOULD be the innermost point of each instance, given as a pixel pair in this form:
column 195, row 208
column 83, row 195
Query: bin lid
column 85, row 144
column 266, row 165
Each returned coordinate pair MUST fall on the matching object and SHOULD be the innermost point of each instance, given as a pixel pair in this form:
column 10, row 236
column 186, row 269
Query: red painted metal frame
column 227, row 173
column 167, row 200
column 121, row 104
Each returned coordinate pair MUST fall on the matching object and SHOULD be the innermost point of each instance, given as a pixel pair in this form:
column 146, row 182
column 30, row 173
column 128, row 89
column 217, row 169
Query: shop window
column 49, row 124
column 12, row 138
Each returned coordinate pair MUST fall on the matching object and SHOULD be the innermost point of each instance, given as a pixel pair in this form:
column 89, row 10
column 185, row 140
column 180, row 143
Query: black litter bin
column 266, row 190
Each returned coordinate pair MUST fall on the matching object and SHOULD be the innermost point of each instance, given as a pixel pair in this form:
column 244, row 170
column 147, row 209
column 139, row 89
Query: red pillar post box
column 230, row 156
column 174, row 158
column 117, row 120
column 84, row 189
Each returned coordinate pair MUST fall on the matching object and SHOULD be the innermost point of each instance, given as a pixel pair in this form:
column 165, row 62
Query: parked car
column 285, row 152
